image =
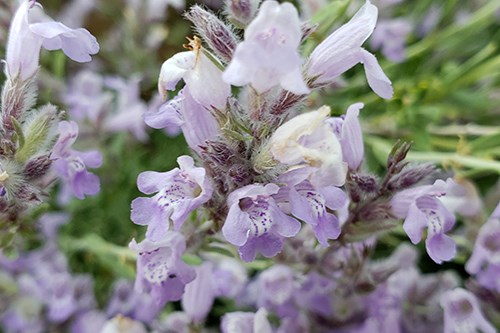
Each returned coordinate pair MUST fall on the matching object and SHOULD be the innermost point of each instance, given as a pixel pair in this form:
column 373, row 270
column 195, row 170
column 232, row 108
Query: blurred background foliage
column 446, row 101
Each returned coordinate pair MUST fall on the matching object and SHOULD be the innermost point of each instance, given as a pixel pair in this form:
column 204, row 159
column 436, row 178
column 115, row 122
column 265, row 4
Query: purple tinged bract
column 421, row 208
column 462, row 313
column 255, row 223
column 71, row 165
column 178, row 193
column 31, row 28
column 160, row 269
column 269, row 54
column 342, row 50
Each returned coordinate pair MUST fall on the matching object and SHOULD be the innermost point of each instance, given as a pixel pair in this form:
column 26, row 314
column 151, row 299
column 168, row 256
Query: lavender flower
column 197, row 124
column 308, row 141
column 348, row 131
column 128, row 302
column 179, row 192
column 462, row 313
column 342, row 50
column 129, row 108
column 200, row 294
column 246, row 322
column 71, row 165
column 196, row 69
column 309, row 204
column 160, row 269
column 230, row 277
column 421, row 208
column 31, row 28
column 255, row 223
column 276, row 290
column 269, row 54
column 485, row 260
column 121, row 324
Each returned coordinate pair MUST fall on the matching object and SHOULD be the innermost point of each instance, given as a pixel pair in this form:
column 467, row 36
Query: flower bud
column 37, row 166
column 214, row 32
column 241, row 12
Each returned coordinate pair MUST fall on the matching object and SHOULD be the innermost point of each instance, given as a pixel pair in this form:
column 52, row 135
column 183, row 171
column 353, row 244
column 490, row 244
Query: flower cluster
column 30, row 161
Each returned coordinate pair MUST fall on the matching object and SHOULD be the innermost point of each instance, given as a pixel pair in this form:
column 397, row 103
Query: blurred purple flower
column 246, row 322
column 179, row 192
column 72, row 165
column 129, row 109
column 390, row 37
column 269, row 54
column 484, row 262
column 255, row 223
column 160, row 269
column 462, row 313
column 199, row 294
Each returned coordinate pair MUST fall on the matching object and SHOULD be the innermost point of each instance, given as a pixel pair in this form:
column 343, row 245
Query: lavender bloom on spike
column 342, row 50
column 126, row 301
column 269, row 54
column 310, row 203
column 276, row 289
column 348, row 131
column 246, row 322
column 179, row 192
column 72, row 165
column 197, row 124
column 421, row 208
column 308, row 141
column 462, row 313
column 196, row 69
column 31, row 28
column 160, row 269
column 485, row 260
column 199, row 294
column 255, row 223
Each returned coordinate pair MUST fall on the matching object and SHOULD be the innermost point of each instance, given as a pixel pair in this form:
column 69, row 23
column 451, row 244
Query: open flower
column 31, row 28
column 160, row 269
column 308, row 141
column 310, row 203
column 421, row 208
column 180, row 191
column 200, row 74
column 342, row 50
column 255, row 223
column 269, row 54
